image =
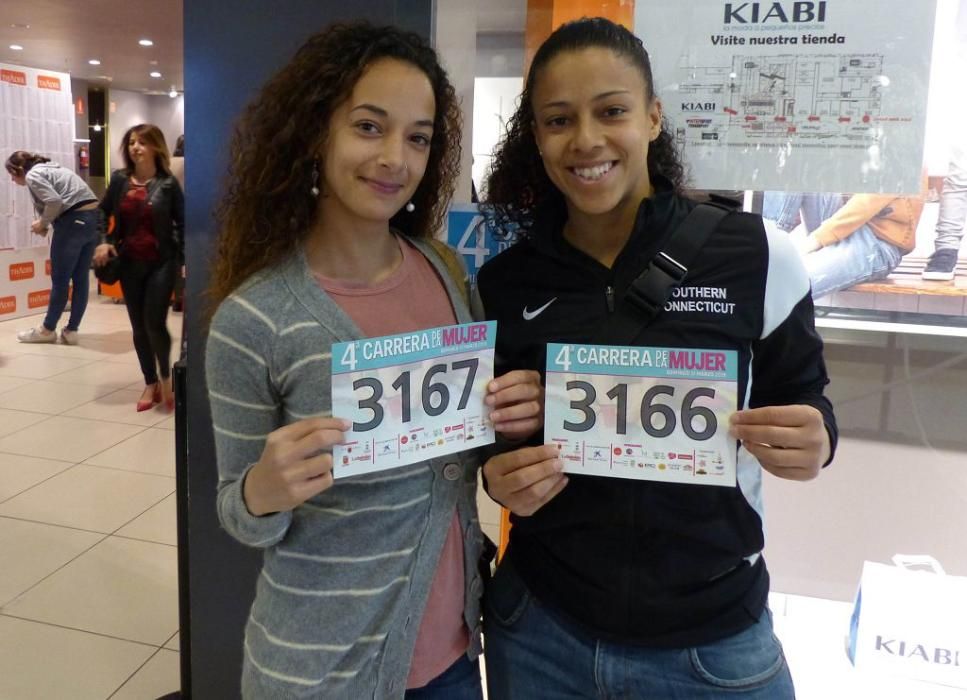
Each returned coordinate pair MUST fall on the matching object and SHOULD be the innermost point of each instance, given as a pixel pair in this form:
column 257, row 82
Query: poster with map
column 796, row 96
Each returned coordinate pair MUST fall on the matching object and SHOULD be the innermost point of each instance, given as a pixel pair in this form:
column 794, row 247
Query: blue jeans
column 75, row 237
column 860, row 257
column 532, row 652
column 459, row 682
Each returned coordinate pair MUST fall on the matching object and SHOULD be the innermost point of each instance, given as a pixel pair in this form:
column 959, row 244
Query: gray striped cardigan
column 346, row 575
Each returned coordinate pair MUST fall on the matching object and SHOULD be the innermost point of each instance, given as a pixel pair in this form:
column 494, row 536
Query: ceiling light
column 146, row 42
column 173, row 94
column 94, row 62
column 16, row 47
column 155, row 74
column 96, row 127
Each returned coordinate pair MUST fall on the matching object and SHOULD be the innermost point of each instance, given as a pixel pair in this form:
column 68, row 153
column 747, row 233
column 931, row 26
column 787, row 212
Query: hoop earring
column 314, row 190
column 410, row 207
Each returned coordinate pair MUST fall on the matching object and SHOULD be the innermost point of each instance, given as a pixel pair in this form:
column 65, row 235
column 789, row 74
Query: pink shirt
column 414, row 298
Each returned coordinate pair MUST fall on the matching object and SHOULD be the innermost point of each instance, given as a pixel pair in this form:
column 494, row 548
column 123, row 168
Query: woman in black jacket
column 149, row 213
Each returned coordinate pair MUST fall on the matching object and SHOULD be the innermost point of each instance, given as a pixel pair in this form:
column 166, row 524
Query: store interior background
column 898, row 483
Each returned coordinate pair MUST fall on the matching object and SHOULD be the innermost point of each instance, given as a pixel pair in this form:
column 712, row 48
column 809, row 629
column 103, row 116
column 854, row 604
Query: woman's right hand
column 296, row 464
column 524, row 479
column 103, row 253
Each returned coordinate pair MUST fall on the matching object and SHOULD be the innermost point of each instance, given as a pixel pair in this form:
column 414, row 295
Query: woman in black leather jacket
column 149, row 213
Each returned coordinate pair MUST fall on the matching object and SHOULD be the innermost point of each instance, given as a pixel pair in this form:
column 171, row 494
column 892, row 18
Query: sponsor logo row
column 26, row 270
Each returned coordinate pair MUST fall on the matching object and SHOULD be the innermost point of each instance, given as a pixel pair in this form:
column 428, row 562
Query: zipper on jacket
column 609, row 295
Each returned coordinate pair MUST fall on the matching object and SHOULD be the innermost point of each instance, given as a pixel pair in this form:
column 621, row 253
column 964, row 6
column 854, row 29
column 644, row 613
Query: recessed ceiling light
column 94, row 62
column 16, row 47
column 155, row 74
column 146, row 42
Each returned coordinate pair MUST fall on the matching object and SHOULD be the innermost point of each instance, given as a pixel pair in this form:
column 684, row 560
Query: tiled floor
column 88, row 590
column 88, row 574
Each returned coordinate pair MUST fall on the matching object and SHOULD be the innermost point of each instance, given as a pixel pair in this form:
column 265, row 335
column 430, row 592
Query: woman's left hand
column 517, row 403
column 38, row 228
column 789, row 441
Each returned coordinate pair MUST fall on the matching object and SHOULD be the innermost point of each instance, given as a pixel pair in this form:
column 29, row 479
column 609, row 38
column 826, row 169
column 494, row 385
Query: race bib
column 659, row 414
column 412, row 396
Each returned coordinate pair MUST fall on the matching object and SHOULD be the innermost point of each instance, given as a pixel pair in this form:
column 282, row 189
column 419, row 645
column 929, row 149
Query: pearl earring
column 410, row 207
column 315, row 179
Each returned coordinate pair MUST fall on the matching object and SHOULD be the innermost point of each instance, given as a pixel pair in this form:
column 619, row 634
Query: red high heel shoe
column 148, row 404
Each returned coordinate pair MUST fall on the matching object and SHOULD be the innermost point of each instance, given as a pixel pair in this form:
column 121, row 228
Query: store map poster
column 821, row 96
column 645, row 413
column 413, row 396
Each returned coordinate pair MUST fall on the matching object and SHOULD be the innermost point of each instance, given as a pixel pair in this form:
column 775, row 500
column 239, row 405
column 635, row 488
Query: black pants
column 147, row 290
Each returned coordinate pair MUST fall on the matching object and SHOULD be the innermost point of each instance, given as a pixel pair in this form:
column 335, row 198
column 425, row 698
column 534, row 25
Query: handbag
column 911, row 623
column 109, row 272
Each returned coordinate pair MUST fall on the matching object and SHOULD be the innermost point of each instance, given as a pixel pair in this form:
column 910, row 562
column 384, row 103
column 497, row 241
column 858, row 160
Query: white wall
column 454, row 37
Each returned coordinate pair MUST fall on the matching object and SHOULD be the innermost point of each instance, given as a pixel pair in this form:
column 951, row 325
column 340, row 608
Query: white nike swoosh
column 530, row 315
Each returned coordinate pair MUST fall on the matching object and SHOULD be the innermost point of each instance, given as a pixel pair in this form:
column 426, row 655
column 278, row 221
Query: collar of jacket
column 653, row 220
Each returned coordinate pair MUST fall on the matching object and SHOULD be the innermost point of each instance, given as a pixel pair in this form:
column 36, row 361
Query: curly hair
column 267, row 209
column 152, row 136
column 519, row 192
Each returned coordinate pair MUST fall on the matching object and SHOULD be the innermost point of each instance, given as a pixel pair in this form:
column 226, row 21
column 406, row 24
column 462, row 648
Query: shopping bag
column 911, row 623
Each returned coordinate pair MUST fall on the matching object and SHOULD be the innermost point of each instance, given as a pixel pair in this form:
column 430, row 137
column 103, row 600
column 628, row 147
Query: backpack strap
column 648, row 294
column 454, row 266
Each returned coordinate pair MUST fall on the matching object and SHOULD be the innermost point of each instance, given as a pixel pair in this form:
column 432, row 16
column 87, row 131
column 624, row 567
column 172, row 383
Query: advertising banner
column 799, row 96
column 36, row 115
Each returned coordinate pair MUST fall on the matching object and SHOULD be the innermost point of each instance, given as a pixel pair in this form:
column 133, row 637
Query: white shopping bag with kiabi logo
column 911, row 622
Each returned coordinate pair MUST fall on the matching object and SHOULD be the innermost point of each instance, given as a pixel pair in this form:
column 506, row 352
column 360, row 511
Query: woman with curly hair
column 610, row 586
column 341, row 171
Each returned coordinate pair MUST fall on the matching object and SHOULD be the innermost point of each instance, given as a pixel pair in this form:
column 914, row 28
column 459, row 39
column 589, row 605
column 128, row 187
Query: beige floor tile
column 160, row 676
column 51, row 397
column 119, row 407
column 89, row 498
column 32, row 551
column 492, row 531
column 38, row 366
column 151, row 451
column 8, row 383
column 158, row 524
column 19, row 472
column 487, row 509
column 167, row 424
column 68, row 439
column 129, row 590
column 174, row 643
column 41, row 662
column 97, row 374
column 12, row 421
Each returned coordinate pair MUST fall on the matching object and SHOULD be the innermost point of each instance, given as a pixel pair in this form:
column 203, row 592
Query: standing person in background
column 178, row 162
column 64, row 200
column 149, row 210
column 952, row 219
